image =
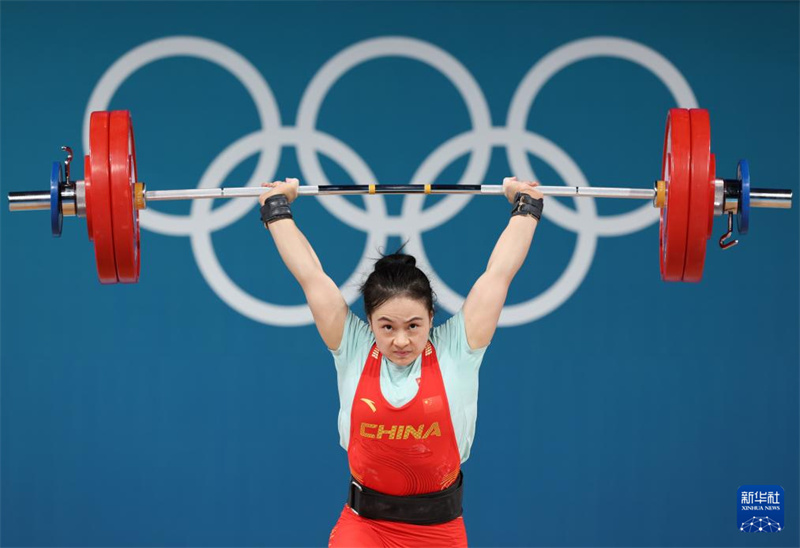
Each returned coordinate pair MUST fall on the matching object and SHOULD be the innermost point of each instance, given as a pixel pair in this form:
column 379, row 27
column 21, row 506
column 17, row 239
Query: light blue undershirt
column 458, row 363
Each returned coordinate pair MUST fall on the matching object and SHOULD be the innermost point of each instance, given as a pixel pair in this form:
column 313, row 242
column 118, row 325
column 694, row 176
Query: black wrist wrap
column 525, row 204
column 276, row 207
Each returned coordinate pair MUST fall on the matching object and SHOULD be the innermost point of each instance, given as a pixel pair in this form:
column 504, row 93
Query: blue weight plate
column 56, row 217
column 743, row 219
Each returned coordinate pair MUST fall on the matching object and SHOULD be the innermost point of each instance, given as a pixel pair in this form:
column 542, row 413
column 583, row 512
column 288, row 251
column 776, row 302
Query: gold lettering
column 410, row 430
column 433, row 431
column 364, row 427
column 382, row 431
column 399, row 432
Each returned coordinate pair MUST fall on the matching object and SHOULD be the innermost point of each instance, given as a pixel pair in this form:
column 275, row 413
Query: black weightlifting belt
column 425, row 509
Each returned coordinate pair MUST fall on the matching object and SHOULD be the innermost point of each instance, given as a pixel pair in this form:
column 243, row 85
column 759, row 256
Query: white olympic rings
column 413, row 220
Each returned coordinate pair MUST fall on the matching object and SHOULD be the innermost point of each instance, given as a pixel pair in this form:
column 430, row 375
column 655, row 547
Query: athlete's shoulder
column 357, row 337
column 450, row 339
column 447, row 330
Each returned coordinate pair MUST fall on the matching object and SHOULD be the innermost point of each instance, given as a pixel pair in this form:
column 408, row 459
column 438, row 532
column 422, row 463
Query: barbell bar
column 688, row 195
column 40, row 200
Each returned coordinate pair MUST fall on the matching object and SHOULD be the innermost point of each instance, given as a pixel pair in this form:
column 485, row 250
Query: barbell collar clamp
column 724, row 243
column 719, row 197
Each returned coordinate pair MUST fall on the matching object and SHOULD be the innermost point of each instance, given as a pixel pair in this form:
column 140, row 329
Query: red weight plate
column 99, row 195
column 674, row 214
column 711, row 194
column 700, row 209
column 135, row 178
column 87, row 175
column 123, row 178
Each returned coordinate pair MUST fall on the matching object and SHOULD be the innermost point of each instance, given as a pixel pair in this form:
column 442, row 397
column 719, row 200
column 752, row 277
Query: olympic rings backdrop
column 198, row 407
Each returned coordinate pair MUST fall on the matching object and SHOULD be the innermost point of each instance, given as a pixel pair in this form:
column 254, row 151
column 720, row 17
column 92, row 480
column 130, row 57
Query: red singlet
column 407, row 450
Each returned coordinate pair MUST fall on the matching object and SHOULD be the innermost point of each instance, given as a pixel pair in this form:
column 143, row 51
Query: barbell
column 688, row 195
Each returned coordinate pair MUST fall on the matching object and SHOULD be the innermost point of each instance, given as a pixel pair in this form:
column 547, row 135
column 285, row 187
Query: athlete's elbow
column 309, row 276
column 501, row 273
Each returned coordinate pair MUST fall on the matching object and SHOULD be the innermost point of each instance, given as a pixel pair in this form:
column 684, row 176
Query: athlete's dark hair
column 396, row 275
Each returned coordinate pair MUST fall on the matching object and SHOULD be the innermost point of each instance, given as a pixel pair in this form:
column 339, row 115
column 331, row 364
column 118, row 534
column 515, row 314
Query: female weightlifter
column 408, row 391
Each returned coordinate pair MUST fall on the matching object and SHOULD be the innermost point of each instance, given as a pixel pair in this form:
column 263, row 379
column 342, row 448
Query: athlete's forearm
column 297, row 254
column 512, row 247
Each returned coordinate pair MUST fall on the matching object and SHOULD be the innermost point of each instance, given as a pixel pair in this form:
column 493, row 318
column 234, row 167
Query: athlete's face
column 401, row 326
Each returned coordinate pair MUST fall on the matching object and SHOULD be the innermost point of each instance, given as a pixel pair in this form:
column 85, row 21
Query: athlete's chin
column 403, row 358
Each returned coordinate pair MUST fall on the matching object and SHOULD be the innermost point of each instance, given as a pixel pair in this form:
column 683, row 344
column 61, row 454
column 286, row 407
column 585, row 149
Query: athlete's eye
column 387, row 327
column 413, row 326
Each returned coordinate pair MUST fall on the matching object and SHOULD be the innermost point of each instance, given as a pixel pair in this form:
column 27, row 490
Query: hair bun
column 396, row 275
column 395, row 260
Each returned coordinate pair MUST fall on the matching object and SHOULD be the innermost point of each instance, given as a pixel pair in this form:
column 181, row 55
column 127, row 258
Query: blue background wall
column 161, row 415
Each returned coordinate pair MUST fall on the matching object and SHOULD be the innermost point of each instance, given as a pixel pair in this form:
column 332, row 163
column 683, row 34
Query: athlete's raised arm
column 323, row 296
column 485, row 301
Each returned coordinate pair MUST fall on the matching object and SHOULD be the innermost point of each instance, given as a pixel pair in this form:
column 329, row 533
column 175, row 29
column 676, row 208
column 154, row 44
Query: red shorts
column 353, row 531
